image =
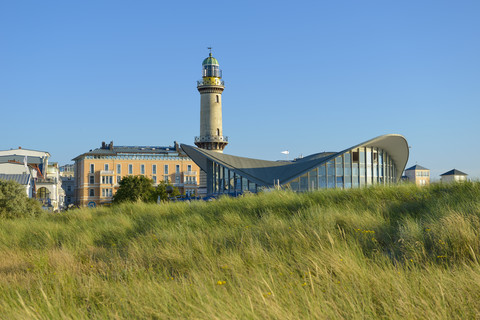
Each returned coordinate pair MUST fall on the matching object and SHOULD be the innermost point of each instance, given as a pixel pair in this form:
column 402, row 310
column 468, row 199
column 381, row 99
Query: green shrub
column 14, row 203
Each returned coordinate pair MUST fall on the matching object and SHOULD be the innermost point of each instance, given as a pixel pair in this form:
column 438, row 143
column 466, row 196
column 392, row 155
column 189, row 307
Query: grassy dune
column 391, row 253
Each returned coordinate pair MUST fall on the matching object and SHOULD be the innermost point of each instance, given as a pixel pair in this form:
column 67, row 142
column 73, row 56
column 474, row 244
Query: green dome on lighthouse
column 210, row 60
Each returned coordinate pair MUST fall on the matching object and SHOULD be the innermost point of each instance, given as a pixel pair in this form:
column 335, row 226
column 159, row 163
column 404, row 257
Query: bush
column 140, row 188
column 14, row 203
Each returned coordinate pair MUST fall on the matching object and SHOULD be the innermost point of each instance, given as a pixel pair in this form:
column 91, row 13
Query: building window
column 107, row 179
column 177, row 179
column 119, row 178
column 189, row 168
column 92, row 168
column 165, row 169
column 218, row 132
column 154, row 179
column 92, row 179
column 167, row 179
column 92, row 192
column 142, row 169
column 107, row 192
column 69, row 199
column 43, row 194
column 154, row 169
column 119, row 168
column 177, row 168
column 69, row 188
column 106, row 167
column 130, row 169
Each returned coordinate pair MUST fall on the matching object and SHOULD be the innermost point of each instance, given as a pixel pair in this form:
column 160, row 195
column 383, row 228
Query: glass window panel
column 362, row 162
column 339, row 182
column 347, row 171
column 330, row 174
column 368, row 154
column 339, row 166
column 322, row 178
column 304, row 183
column 252, row 187
column 244, row 184
column 313, row 179
column 294, row 184
column 355, row 176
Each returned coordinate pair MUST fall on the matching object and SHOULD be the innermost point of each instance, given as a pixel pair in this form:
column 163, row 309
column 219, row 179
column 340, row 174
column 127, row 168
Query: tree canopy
column 14, row 202
column 140, row 188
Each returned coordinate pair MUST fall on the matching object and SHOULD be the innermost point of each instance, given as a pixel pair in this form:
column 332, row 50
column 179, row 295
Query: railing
column 190, row 173
column 47, row 180
column 204, row 82
column 211, row 139
column 106, row 172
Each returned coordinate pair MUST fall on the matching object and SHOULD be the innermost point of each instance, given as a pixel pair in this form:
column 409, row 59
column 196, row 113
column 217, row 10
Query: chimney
column 110, row 146
column 103, row 145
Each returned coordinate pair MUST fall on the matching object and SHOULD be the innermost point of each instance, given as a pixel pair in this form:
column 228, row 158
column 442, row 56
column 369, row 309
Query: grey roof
column 264, row 172
column 23, row 179
column 19, row 158
column 417, row 167
column 116, row 150
column 454, row 172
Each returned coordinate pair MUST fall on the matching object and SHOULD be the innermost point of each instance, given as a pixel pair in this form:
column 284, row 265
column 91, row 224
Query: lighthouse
column 211, row 87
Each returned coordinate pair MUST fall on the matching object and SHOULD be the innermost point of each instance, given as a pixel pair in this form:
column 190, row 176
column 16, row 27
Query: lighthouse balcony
column 210, row 82
column 211, row 139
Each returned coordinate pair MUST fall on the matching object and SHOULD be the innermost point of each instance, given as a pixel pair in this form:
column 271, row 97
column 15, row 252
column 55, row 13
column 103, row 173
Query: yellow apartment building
column 418, row 175
column 99, row 171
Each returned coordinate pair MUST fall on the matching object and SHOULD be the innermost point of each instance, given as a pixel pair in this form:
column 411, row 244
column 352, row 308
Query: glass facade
column 226, row 181
column 355, row 168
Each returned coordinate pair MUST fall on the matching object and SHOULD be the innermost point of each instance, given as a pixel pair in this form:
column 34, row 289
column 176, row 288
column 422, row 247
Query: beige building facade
column 418, row 175
column 99, row 172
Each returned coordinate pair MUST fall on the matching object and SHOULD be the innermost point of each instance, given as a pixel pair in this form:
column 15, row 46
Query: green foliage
column 376, row 253
column 140, row 188
column 164, row 191
column 135, row 188
column 14, row 203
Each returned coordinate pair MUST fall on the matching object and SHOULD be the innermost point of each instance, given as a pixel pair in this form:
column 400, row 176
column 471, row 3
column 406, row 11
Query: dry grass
column 392, row 253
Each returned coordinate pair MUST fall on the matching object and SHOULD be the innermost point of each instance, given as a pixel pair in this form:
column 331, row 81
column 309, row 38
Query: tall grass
column 391, row 252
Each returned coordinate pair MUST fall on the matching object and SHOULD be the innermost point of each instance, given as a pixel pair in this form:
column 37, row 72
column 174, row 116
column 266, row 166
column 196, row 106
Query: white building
column 46, row 177
column 453, row 175
column 19, row 173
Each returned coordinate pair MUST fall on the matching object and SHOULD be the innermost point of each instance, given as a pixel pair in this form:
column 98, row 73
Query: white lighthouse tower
column 211, row 87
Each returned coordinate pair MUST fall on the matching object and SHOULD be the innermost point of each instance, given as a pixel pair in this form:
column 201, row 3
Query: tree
column 140, row 188
column 166, row 191
column 14, row 202
column 135, row 188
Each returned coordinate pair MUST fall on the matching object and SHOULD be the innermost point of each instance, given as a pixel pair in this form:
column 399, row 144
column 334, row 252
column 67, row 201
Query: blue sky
column 304, row 76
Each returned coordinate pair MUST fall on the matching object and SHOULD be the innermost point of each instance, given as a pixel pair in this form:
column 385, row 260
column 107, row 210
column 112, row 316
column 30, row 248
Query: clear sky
column 303, row 76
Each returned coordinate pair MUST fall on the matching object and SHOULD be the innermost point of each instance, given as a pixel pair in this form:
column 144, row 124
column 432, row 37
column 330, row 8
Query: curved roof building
column 377, row 161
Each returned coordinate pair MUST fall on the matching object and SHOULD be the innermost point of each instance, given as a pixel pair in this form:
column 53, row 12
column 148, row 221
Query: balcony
column 206, row 82
column 211, row 139
column 190, row 173
column 46, row 180
column 106, row 172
